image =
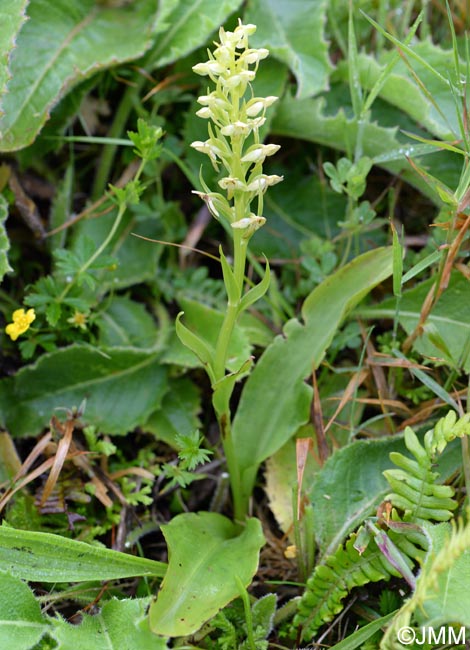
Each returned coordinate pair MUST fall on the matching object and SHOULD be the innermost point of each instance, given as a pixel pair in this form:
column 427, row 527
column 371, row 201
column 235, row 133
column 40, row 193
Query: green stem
column 97, row 253
column 226, row 331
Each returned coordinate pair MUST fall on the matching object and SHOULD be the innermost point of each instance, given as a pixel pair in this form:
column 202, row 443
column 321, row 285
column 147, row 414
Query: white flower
column 249, row 224
column 208, row 148
column 209, row 68
column 231, row 184
column 263, row 181
column 258, row 153
column 253, row 56
column 255, row 106
column 237, row 128
column 204, row 112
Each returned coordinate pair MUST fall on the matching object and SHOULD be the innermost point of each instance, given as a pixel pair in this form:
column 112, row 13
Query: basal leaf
column 121, row 624
column 275, row 400
column 61, row 44
column 294, row 34
column 21, row 622
column 348, row 488
column 401, row 89
column 43, row 557
column 189, row 25
column 126, row 323
column 4, row 241
column 12, row 17
column 448, row 325
column 122, row 386
column 178, row 413
column 207, row 555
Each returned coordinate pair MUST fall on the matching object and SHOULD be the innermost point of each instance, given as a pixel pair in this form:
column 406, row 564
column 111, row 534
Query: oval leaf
column 207, row 555
column 64, row 378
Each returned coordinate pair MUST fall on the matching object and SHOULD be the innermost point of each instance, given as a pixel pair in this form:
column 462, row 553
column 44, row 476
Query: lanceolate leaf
column 189, row 25
column 64, row 378
column 43, row 557
column 294, row 34
column 275, row 400
column 209, row 556
column 4, row 241
column 12, row 17
column 62, row 43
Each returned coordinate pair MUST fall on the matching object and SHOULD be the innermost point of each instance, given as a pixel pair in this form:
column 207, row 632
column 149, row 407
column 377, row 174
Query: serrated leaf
column 4, row 241
column 43, row 557
column 122, row 386
column 294, row 34
column 60, row 45
column 12, row 17
column 120, row 624
column 207, row 555
column 21, row 622
column 189, row 25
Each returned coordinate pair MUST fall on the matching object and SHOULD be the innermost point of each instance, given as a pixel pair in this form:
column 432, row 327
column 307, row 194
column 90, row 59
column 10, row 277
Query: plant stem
column 226, row 331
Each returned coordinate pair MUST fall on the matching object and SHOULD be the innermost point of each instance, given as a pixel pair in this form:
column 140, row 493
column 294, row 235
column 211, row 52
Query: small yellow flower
column 21, row 322
column 78, row 320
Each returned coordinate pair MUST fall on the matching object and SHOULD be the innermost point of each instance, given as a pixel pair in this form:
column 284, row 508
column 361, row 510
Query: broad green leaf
column 294, row 34
column 207, row 554
column 121, row 624
column 122, row 386
column 178, row 413
column 189, row 25
column 4, row 241
column 12, row 17
column 317, row 120
column 21, row 622
column 43, row 557
column 308, row 119
column 349, row 487
column 449, row 320
column 401, row 89
column 126, row 323
column 275, row 400
column 61, row 44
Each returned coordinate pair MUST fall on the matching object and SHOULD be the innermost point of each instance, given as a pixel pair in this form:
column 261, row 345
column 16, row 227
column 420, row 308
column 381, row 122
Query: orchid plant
column 235, row 117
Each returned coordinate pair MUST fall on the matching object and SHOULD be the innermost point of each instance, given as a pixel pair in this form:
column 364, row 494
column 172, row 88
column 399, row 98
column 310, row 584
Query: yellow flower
column 21, row 322
column 78, row 320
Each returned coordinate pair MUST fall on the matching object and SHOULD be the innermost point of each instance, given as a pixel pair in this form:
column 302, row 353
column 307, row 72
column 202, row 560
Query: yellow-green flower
column 78, row 320
column 21, row 322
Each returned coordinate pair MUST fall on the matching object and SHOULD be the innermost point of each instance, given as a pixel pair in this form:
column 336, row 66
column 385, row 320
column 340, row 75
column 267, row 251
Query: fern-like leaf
column 414, row 485
column 331, row 582
column 416, row 498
